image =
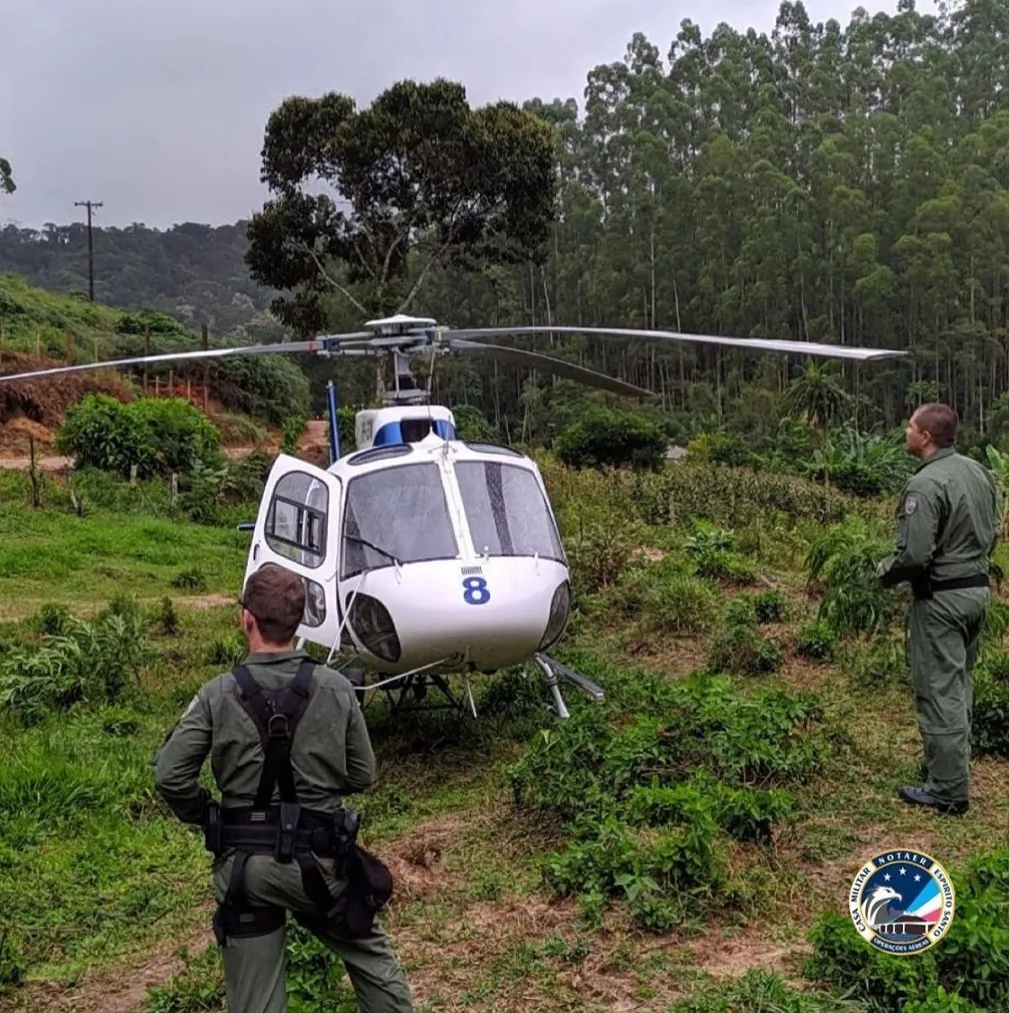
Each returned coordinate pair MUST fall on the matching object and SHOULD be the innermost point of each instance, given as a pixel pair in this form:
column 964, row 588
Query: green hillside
column 45, row 328
column 192, row 272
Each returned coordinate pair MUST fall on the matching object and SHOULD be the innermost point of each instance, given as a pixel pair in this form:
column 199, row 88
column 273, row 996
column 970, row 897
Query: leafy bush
column 649, row 805
column 267, row 387
column 157, row 435
column 294, row 426
column 739, row 647
column 607, row 438
column 720, row 448
column 815, row 641
column 713, row 551
column 471, row 424
column 83, row 661
column 990, row 717
column 861, row 464
column 662, row 597
column 843, row 562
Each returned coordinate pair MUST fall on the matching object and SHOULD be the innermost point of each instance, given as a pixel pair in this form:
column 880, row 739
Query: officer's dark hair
column 939, row 420
column 276, row 597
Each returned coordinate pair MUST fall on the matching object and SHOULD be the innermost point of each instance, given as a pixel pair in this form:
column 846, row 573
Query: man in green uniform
column 272, row 858
column 947, row 527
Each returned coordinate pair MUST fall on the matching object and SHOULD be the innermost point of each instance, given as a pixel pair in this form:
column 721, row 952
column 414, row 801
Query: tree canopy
column 826, row 182
column 6, row 177
column 417, row 181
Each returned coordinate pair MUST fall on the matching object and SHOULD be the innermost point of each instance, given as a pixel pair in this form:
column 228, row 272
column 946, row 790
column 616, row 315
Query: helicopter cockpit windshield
column 374, row 532
column 506, row 511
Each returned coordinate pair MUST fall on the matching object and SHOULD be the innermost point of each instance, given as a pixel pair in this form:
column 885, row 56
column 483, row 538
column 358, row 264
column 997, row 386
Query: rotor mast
column 400, row 335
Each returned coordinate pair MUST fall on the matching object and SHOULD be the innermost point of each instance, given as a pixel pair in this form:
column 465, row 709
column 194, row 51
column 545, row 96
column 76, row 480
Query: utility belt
column 924, row 587
column 284, row 830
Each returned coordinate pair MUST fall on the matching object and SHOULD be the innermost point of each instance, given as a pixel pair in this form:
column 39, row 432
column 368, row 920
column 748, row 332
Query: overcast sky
column 157, row 107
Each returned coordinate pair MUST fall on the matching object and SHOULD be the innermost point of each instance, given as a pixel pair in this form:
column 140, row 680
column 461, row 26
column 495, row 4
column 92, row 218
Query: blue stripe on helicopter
column 392, row 432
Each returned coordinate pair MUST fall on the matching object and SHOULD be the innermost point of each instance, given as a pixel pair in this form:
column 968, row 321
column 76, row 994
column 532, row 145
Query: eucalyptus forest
column 820, row 182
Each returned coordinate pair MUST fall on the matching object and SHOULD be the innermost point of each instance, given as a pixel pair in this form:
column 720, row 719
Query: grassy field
column 673, row 848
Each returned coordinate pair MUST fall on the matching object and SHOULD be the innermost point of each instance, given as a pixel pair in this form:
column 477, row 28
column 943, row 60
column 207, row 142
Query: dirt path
column 58, row 464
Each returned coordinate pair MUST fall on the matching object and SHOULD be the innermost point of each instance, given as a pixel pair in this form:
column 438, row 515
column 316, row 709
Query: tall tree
column 417, row 181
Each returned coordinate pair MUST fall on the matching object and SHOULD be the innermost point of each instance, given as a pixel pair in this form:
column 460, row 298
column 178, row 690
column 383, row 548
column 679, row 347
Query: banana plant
column 999, row 464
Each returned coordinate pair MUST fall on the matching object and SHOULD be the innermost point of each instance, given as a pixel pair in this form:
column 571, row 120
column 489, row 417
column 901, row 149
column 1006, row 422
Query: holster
column 921, row 586
column 213, row 839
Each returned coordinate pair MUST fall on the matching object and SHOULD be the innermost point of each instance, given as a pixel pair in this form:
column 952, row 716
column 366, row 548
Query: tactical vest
column 288, row 831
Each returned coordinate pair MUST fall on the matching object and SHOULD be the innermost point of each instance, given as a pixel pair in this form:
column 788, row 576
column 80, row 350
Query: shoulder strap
column 276, row 715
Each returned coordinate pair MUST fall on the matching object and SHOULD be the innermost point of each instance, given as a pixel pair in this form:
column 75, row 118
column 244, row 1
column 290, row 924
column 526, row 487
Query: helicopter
column 425, row 555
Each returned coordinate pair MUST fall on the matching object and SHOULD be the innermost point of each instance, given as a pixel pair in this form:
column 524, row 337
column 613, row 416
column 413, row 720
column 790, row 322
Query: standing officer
column 281, row 719
column 947, row 526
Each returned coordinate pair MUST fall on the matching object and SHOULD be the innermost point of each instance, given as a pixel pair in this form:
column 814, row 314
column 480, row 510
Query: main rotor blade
column 753, row 344
column 315, row 345
column 549, row 365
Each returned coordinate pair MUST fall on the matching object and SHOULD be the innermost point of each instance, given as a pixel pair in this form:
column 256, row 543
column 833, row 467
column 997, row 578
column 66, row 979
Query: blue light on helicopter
column 416, row 430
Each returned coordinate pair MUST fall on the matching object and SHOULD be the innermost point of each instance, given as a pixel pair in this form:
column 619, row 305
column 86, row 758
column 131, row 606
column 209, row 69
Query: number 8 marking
column 476, row 592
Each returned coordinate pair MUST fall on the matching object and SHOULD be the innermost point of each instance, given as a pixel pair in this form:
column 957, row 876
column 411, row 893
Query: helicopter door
column 297, row 528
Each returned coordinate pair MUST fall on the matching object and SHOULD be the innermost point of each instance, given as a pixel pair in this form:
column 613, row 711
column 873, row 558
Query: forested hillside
column 823, row 182
column 194, row 272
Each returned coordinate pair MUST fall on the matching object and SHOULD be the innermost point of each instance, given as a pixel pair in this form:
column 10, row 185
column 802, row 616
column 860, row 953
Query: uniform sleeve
column 917, row 533
column 360, row 756
column 178, row 764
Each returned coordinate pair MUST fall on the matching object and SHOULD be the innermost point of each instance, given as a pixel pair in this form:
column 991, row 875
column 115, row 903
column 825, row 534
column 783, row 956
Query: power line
column 89, row 204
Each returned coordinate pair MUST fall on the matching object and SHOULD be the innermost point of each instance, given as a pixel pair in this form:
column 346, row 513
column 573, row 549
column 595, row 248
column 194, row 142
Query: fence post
column 147, row 351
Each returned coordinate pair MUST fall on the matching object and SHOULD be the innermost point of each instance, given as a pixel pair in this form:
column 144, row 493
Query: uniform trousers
column 255, row 968
column 943, row 637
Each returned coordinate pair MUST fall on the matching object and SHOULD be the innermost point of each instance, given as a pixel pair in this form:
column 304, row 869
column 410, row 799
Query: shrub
column 739, row 647
column 471, row 424
column 815, row 641
column 843, row 561
column 84, row 661
column 713, row 551
column 650, row 805
column 608, row 438
column 157, row 435
column 662, row 597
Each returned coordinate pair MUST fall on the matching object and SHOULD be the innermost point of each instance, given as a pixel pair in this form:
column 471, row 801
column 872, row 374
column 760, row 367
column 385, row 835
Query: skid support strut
column 553, row 672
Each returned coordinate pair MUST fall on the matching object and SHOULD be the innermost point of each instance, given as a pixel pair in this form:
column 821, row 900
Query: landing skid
column 415, row 685
column 553, row 671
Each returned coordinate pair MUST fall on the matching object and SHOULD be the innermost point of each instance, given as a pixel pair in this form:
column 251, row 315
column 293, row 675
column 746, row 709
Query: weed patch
column 651, row 804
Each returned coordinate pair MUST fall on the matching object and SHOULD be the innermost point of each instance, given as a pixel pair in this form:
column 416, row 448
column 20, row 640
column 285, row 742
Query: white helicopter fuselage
column 437, row 555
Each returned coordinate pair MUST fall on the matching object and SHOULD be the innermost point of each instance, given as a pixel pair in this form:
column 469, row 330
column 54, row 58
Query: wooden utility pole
column 89, row 204
column 206, row 369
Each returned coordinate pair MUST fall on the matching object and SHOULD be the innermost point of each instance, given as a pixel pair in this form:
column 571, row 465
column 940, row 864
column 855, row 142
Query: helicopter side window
column 396, row 514
column 506, row 510
column 296, row 520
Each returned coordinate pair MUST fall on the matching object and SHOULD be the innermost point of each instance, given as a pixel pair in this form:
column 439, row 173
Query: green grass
column 23, row 308
column 94, row 872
